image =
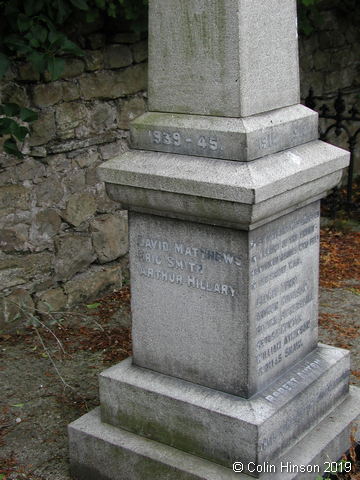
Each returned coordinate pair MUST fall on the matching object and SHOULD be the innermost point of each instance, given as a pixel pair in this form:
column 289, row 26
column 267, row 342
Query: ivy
column 36, row 32
column 309, row 16
column 11, row 114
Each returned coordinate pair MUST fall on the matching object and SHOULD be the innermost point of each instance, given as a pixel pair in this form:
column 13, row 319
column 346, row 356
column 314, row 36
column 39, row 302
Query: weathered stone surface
column 27, row 73
column 30, row 169
column 10, row 277
column 14, row 238
column 38, row 152
column 7, row 176
column 68, row 117
column 321, row 59
column 126, row 37
column 58, row 163
column 224, row 428
column 50, row 192
column 129, row 109
column 335, row 38
column 79, row 207
column 70, row 91
column 45, row 225
column 110, row 237
column 317, row 81
column 199, row 69
column 214, row 212
column 333, row 81
column 211, row 268
column 45, row 95
column 77, row 144
column 13, row 197
column 92, row 284
column 7, row 161
column 14, row 93
column 117, row 56
column 84, row 159
column 241, row 182
column 91, row 176
column 307, row 64
column 53, row 300
column 73, row 68
column 94, row 60
column 43, row 130
column 74, row 253
column 114, row 84
column 76, row 182
column 103, row 117
column 109, row 150
column 140, row 51
column 115, row 450
column 15, row 311
column 105, row 204
column 96, row 40
column 241, row 139
column 10, row 74
column 19, row 269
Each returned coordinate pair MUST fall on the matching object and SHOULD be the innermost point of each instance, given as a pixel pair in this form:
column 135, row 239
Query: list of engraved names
column 283, row 286
column 181, row 264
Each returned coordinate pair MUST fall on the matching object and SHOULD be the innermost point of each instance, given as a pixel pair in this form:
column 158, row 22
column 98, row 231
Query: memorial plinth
column 222, row 185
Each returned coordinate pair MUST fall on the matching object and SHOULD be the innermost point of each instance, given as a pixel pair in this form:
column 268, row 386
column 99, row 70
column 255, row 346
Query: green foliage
column 35, row 31
column 136, row 13
column 92, row 306
column 309, row 16
column 10, row 116
column 30, row 30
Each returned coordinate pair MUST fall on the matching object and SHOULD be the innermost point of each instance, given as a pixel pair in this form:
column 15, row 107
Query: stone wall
column 61, row 238
column 330, row 61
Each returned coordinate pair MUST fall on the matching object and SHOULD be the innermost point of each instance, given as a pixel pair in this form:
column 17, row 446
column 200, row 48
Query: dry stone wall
column 330, row 56
column 329, row 62
column 62, row 239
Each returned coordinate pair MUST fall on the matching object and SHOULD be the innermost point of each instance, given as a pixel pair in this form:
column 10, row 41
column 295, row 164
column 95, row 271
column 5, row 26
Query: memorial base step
column 99, row 451
column 220, row 427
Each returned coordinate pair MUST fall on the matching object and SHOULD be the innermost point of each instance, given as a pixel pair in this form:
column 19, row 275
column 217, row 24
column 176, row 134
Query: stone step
column 99, row 451
column 220, row 427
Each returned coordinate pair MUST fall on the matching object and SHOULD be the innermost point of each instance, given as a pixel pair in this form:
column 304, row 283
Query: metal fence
column 343, row 119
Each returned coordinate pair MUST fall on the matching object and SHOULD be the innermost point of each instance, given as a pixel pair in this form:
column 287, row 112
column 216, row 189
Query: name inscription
column 180, row 264
column 315, row 407
column 284, row 289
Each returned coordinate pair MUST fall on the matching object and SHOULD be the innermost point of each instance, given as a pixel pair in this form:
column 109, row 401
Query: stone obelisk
column 222, row 185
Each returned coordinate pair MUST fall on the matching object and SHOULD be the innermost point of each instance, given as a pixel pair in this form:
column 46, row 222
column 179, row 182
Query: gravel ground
column 36, row 409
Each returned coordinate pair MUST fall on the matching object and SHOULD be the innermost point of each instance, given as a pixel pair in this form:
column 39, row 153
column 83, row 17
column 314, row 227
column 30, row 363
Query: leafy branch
column 309, row 16
column 36, row 32
column 10, row 115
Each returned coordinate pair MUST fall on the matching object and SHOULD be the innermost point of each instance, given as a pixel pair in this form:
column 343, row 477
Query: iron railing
column 343, row 119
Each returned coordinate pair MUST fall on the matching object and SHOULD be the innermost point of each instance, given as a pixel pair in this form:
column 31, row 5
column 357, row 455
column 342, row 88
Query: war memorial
column 223, row 183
